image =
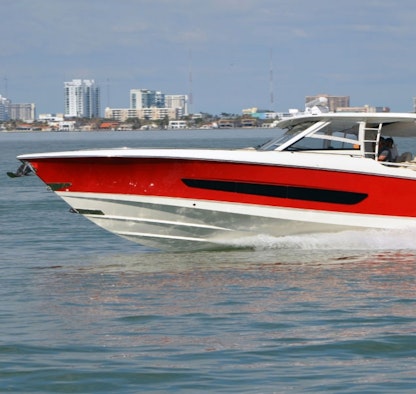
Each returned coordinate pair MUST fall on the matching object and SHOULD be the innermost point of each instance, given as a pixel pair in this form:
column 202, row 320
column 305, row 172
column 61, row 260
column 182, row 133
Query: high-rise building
column 144, row 98
column 151, row 104
column 82, row 99
column 178, row 101
column 4, row 108
column 24, row 112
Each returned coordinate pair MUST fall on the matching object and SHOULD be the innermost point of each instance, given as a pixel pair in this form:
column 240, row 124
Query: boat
column 321, row 174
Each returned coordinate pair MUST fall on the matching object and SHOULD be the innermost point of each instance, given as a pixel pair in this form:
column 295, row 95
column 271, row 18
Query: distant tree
column 135, row 123
column 199, row 121
column 162, row 123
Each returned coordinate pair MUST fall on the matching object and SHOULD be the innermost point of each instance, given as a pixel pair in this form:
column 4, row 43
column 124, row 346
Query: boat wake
column 346, row 240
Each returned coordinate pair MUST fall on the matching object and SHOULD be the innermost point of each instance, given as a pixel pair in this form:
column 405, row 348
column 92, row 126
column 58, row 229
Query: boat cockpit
column 341, row 135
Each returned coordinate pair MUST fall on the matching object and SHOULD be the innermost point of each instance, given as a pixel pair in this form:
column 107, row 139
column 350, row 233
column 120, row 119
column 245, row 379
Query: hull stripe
column 279, row 191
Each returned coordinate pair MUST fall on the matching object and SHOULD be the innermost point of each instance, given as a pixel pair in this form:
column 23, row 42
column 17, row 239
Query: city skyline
column 225, row 55
column 82, row 99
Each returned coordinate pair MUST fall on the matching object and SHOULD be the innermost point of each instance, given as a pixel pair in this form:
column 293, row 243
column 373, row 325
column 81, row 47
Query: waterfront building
column 145, row 98
column 118, row 114
column 333, row 101
column 364, row 109
column 150, row 105
column 24, row 112
column 177, row 124
column 51, row 117
column 178, row 102
column 122, row 114
column 4, row 108
column 254, row 112
column 82, row 99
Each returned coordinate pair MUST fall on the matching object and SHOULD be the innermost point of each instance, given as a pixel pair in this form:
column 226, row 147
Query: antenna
column 190, row 98
column 108, row 93
column 271, row 80
column 6, row 92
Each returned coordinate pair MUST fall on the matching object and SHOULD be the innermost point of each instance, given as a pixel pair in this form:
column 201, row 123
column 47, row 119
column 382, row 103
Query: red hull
column 380, row 195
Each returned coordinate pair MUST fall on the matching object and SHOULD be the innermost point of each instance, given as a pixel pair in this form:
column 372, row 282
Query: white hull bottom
column 176, row 224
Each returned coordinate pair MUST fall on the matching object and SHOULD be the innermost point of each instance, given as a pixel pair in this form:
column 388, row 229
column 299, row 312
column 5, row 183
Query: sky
column 226, row 54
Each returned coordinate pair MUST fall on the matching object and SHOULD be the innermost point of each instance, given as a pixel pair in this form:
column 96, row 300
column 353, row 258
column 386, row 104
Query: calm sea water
column 84, row 311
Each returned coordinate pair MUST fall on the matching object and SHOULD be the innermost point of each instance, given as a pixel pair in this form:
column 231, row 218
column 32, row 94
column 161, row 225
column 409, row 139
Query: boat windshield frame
column 319, row 135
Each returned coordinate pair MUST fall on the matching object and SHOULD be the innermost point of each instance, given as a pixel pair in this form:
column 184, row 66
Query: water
column 85, row 311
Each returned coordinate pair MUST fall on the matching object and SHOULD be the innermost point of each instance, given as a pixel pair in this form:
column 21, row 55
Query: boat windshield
column 287, row 136
column 334, row 135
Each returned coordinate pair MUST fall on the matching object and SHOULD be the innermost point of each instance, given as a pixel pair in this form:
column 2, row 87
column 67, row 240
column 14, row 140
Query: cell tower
column 271, row 81
column 108, row 92
column 190, row 98
column 6, row 88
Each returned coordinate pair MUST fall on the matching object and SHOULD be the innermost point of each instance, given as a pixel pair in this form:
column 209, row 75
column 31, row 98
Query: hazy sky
column 228, row 48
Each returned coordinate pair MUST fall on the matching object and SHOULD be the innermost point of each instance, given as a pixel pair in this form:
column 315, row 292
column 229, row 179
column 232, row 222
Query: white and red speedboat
column 322, row 175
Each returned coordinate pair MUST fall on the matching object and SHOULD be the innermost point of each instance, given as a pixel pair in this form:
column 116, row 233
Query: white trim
column 338, row 162
column 291, row 214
